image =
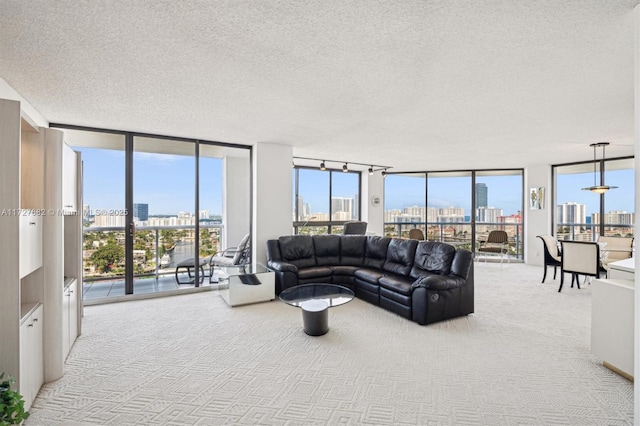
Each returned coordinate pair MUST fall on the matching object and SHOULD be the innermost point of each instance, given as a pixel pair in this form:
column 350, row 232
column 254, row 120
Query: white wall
column 236, row 200
column 373, row 185
column 29, row 113
column 272, row 202
column 537, row 222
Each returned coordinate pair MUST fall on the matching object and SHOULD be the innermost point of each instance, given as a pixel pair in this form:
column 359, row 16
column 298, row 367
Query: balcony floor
column 107, row 289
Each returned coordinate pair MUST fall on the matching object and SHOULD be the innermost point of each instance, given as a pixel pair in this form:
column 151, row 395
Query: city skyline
column 164, row 182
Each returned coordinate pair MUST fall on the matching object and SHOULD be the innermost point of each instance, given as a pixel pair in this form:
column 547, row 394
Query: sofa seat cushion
column 397, row 283
column 396, row 297
column 345, row 270
column 315, row 272
column 369, row 275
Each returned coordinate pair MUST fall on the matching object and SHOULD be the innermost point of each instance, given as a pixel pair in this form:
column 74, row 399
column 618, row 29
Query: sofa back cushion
column 400, row 255
column 327, row 249
column 432, row 257
column 376, row 251
column 297, row 250
column 352, row 250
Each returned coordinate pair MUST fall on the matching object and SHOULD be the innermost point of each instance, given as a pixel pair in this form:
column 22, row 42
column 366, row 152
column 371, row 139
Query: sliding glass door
column 163, row 210
column 152, row 202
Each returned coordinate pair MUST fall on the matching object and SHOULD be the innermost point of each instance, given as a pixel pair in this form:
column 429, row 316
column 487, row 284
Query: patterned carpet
column 522, row 359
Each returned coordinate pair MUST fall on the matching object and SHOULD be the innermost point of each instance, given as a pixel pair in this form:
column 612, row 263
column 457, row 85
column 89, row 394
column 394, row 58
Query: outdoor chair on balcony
column 552, row 255
column 232, row 256
column 355, row 228
column 497, row 243
column 416, row 234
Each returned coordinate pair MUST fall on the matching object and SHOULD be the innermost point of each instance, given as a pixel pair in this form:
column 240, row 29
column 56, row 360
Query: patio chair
column 552, row 255
column 416, row 234
column 232, row 256
column 355, row 228
column 497, row 243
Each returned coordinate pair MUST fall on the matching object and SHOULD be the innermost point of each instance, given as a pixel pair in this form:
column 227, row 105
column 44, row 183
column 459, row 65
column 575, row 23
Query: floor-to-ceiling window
column 151, row 202
column 457, row 207
column 404, row 203
column 324, row 200
column 584, row 215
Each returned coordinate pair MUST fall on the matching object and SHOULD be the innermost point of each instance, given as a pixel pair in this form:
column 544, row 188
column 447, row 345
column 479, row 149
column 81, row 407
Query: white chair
column 615, row 248
column 579, row 258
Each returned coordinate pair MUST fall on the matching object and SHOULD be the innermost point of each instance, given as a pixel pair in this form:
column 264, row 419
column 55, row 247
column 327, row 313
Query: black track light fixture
column 323, row 167
column 371, row 170
column 345, row 168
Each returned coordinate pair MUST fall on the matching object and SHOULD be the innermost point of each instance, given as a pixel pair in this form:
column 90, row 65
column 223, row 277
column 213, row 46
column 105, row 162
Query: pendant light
column 602, row 188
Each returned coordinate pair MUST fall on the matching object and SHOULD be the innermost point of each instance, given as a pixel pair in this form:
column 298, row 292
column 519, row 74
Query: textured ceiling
column 417, row 85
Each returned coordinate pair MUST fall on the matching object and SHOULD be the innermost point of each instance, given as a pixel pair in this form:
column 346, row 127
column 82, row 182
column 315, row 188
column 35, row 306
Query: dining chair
column 579, row 258
column 614, row 249
column 552, row 255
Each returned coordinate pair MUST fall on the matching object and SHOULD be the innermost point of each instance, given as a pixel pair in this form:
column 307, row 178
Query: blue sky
column 165, row 182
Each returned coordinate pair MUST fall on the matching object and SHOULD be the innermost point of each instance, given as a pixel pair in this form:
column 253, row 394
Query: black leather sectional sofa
column 422, row 281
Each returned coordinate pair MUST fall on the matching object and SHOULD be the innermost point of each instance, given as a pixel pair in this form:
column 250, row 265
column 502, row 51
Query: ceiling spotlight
column 384, row 173
column 322, row 166
column 371, row 170
column 345, row 169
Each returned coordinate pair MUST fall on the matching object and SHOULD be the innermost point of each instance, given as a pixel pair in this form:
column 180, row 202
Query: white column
column 537, row 222
column 373, row 186
column 236, row 200
column 272, row 198
column 636, row 114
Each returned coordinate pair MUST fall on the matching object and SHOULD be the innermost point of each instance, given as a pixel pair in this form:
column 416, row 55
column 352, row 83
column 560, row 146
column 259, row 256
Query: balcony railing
column 460, row 234
column 157, row 249
column 591, row 231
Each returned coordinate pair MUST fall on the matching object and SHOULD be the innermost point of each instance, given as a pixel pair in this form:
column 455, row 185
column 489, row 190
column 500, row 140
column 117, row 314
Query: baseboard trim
column 618, row 371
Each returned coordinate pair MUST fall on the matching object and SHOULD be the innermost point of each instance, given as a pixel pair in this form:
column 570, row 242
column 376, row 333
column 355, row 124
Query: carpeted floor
column 522, row 359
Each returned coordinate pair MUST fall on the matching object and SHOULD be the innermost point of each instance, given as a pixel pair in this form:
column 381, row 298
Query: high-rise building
column 141, row 211
column 342, row 208
column 482, row 195
column 204, row 214
column 489, row 214
column 570, row 213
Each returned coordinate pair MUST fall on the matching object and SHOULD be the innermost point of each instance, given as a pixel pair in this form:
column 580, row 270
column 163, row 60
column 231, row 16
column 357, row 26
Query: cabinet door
column 31, row 357
column 66, row 302
column 73, row 313
column 69, row 179
column 30, row 244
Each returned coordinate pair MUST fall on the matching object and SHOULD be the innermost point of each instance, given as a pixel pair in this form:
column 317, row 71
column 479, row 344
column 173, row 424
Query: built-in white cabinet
column 30, row 241
column 69, row 180
column 41, row 247
column 31, row 353
column 69, row 315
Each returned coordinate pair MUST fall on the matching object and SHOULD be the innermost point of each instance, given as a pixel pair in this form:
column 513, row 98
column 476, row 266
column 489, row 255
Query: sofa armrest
column 282, row 266
column 439, row 282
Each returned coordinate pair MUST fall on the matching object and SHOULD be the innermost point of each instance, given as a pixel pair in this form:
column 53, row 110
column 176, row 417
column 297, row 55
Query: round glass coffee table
column 315, row 301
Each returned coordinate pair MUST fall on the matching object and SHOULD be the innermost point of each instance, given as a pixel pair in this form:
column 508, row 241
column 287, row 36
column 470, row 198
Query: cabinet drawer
column 30, row 244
